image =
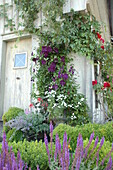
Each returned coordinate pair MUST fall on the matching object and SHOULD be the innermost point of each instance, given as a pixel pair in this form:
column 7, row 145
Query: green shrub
column 33, row 153
column 11, row 114
column 102, row 153
column 99, row 130
column 14, row 136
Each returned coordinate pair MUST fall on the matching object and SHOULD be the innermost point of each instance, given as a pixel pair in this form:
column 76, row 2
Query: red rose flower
column 31, row 105
column 107, row 84
column 39, row 99
column 98, row 35
column 102, row 47
column 102, row 40
column 94, row 82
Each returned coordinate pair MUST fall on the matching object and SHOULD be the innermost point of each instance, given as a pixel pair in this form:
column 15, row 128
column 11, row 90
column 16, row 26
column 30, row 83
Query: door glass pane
column 20, row 60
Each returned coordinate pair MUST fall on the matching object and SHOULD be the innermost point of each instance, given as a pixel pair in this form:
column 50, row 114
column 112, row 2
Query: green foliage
column 74, row 34
column 27, row 126
column 14, row 135
column 99, row 130
column 106, row 148
column 33, row 153
column 11, row 114
column 105, row 76
column 79, row 118
column 55, row 83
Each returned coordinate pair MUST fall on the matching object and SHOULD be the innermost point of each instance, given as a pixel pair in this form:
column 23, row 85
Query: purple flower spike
column 62, row 82
column 109, row 165
column 51, row 127
column 43, row 62
column 38, row 167
column 56, row 147
column 32, row 54
column 87, row 147
column 47, row 149
column 102, row 141
column 78, row 163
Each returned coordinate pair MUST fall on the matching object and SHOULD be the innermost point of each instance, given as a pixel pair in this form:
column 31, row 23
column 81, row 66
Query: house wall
column 84, row 67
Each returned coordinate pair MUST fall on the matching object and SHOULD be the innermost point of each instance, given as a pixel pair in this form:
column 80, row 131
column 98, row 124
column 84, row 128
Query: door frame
column 6, row 38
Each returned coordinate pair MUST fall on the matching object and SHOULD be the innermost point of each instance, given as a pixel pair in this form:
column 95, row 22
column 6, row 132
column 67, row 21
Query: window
column 20, row 60
column 76, row 5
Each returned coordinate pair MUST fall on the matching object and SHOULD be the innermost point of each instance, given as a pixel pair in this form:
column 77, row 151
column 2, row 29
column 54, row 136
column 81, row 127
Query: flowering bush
column 63, row 159
column 104, row 78
column 100, row 130
column 8, row 160
column 55, row 82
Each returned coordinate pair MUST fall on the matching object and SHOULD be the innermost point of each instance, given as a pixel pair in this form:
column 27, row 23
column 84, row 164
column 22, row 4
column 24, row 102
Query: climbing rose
column 39, row 99
column 102, row 40
column 107, row 84
column 31, row 105
column 102, row 47
column 94, row 82
column 98, row 35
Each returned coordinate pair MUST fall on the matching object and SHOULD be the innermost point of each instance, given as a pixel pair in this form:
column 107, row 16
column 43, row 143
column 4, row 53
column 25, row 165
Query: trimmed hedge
column 102, row 153
column 11, row 114
column 99, row 130
column 33, row 153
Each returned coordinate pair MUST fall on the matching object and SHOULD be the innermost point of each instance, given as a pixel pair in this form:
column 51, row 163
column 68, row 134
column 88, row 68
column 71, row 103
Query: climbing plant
column 59, row 34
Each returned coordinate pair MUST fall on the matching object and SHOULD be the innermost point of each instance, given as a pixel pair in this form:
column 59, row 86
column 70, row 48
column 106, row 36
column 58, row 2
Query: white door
column 17, row 74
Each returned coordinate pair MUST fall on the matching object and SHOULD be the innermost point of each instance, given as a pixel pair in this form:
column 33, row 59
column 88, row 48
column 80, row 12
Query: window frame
column 26, row 61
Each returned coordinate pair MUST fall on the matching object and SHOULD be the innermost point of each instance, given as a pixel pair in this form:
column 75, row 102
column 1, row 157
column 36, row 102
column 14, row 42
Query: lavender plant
column 81, row 160
column 8, row 160
column 29, row 124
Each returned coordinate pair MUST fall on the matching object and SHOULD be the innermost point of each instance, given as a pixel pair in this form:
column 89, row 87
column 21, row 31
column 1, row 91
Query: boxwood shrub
column 102, row 153
column 11, row 114
column 33, row 153
column 99, row 130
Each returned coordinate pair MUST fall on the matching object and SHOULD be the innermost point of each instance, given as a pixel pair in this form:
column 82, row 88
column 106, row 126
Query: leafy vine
column 73, row 32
